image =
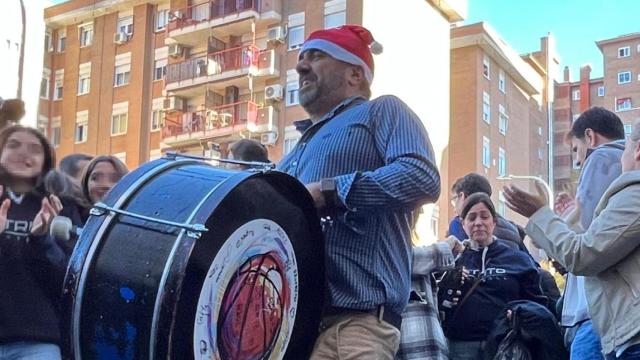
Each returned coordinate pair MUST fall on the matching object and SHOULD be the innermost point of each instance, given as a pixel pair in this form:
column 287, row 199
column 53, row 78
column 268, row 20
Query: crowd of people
column 369, row 165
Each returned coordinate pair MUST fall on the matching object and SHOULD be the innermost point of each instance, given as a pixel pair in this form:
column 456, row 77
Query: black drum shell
column 132, row 286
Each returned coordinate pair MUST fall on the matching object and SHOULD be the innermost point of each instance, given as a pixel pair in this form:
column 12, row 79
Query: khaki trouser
column 356, row 336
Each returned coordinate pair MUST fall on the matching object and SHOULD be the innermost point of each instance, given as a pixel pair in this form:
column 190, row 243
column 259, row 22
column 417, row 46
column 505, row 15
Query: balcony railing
column 208, row 10
column 199, row 65
column 212, row 122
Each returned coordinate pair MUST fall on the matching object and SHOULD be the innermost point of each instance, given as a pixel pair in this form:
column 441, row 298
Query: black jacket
column 534, row 325
column 31, row 274
column 509, row 275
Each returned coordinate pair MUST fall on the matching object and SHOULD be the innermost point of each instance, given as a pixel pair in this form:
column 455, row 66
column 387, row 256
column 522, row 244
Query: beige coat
column 608, row 254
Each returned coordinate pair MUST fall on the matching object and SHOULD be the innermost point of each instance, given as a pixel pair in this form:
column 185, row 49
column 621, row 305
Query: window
column 122, row 75
column 157, row 119
column 624, row 52
column 486, row 152
column 58, row 87
column 119, row 118
column 84, row 78
column 43, row 125
column 291, row 138
column 601, row 91
column 289, row 144
column 486, row 67
column 86, row 34
column 82, row 126
column 62, row 40
column 503, row 120
column 335, row 13
column 44, row 84
column 162, row 18
column 623, row 104
column 292, row 93
column 501, row 81
column 624, row 77
column 119, row 124
column 125, row 25
column 628, row 129
column 575, row 95
column 157, row 114
column 47, row 41
column 502, row 205
column 540, row 153
column 122, row 70
column 55, row 131
column 502, row 162
column 296, row 30
column 539, row 130
column 296, row 37
column 486, row 107
column 159, row 69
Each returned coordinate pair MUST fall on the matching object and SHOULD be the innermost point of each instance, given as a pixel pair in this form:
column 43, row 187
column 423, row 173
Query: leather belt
column 380, row 311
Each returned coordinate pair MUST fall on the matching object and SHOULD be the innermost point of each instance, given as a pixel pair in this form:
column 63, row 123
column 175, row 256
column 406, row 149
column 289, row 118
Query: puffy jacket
column 608, row 254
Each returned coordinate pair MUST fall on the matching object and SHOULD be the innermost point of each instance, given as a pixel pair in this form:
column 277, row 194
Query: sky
column 575, row 24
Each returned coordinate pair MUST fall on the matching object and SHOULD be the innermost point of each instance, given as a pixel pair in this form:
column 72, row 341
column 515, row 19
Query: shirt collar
column 304, row 125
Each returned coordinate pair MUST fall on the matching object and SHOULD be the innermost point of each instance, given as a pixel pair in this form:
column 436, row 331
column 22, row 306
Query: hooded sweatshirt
column 505, row 274
column 32, row 271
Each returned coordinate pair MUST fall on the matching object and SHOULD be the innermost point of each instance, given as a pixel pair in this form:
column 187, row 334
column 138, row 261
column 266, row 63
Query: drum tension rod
column 254, row 165
column 193, row 230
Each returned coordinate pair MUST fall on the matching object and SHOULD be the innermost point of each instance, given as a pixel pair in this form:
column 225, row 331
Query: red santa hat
column 352, row 44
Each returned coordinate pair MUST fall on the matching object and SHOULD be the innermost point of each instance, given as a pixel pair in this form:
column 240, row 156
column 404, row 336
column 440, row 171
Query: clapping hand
column 523, row 202
column 51, row 207
column 4, row 210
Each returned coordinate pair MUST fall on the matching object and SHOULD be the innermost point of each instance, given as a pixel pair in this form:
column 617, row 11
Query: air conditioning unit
column 175, row 50
column 269, row 138
column 275, row 34
column 120, row 38
column 173, row 103
column 273, row 92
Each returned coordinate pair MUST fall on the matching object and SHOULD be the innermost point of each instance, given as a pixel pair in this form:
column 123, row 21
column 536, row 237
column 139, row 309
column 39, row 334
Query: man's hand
column 456, row 245
column 523, row 202
column 316, row 194
column 4, row 211
column 563, row 202
column 51, row 207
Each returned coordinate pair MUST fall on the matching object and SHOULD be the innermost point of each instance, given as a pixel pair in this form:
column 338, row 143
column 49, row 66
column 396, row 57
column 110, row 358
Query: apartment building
column 499, row 112
column 138, row 78
column 618, row 91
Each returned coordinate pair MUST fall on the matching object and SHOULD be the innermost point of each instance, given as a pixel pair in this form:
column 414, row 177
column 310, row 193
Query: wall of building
column 415, row 67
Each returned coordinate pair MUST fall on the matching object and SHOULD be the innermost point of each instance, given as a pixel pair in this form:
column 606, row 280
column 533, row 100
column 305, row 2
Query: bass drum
column 186, row 260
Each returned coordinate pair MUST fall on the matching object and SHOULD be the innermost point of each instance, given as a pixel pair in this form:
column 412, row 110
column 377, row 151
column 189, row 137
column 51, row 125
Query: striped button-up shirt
column 380, row 156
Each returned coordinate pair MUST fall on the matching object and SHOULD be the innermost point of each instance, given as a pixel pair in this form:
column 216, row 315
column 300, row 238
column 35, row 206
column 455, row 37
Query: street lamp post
column 535, row 178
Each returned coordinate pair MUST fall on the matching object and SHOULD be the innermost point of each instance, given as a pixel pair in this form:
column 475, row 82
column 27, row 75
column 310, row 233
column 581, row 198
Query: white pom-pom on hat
column 376, row 48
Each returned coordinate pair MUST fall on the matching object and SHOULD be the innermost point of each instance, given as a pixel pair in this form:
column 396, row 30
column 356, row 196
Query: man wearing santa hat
column 369, row 165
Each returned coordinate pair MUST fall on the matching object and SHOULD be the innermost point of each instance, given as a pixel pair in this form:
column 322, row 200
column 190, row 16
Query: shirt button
column 295, row 163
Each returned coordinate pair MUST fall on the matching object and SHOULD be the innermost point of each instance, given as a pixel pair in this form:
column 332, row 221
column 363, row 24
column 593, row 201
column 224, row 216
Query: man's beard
column 317, row 95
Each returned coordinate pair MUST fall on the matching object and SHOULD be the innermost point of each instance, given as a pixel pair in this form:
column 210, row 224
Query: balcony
column 224, row 68
column 185, row 128
column 214, row 67
column 193, row 24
